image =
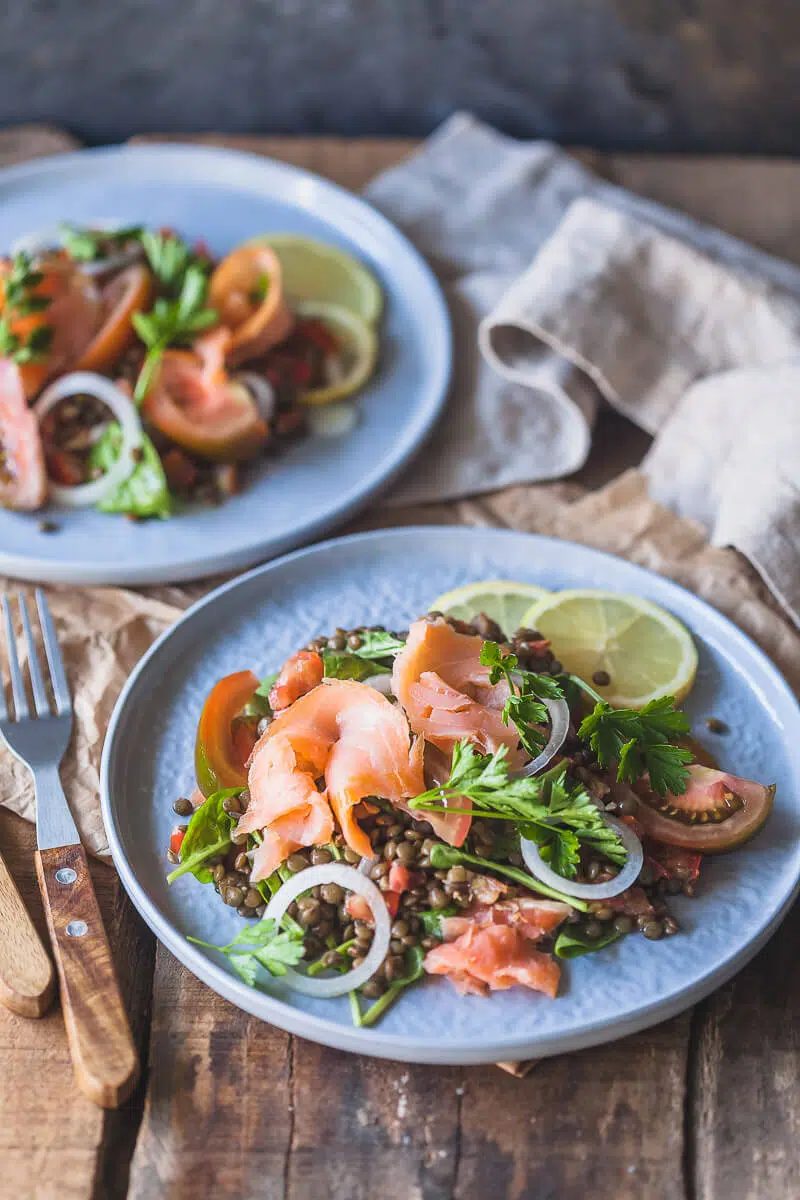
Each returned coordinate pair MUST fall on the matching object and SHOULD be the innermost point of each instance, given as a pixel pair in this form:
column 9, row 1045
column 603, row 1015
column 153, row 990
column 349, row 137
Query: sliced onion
column 589, row 891
column 262, row 392
column 35, row 244
column 353, row 881
column 381, row 683
column 558, row 711
column 332, row 420
column 83, row 383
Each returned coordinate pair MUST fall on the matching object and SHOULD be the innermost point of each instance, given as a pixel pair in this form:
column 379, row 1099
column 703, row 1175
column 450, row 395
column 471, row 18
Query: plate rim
column 434, row 390
column 283, row 1015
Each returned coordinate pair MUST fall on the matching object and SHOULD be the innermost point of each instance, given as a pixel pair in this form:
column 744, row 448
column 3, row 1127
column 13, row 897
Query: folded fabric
column 577, row 292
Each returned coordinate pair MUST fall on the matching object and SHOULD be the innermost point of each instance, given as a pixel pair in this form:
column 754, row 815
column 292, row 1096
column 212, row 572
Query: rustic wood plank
column 366, row 1127
column 27, row 978
column 52, row 1139
column 217, row 1119
column 745, row 1099
column 605, row 1122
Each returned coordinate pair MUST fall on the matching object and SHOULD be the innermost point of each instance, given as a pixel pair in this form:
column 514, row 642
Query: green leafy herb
column 640, row 742
column 415, row 957
column 172, row 322
column 170, row 259
column 261, row 945
column 444, row 857
column 88, row 245
column 432, row 919
column 318, row 966
column 572, row 944
column 524, row 707
column 209, row 833
column 145, row 492
column 20, row 300
column 558, row 817
column 339, row 664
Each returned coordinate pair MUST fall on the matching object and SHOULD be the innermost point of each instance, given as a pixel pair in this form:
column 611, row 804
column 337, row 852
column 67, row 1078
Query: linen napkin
column 567, row 292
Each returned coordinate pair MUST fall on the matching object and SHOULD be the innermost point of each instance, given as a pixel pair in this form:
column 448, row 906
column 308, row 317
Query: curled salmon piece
column 445, row 691
column 298, row 675
column 493, row 959
column 345, row 735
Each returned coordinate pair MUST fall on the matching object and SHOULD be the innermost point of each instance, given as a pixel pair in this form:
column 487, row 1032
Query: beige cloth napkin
column 581, row 293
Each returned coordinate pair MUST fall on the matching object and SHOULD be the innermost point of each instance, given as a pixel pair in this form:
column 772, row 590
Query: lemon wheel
column 504, row 601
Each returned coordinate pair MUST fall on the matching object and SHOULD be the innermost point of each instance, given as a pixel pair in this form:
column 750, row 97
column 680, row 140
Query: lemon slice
column 318, row 272
column 358, row 345
column 505, row 602
column 644, row 650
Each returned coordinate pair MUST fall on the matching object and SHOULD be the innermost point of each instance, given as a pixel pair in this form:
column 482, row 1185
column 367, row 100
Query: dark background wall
column 655, row 74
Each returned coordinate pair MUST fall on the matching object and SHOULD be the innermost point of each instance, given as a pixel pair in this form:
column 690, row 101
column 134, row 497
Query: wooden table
column 705, row 1106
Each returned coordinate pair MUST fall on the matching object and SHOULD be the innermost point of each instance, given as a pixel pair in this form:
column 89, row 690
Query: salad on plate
column 139, row 374
column 504, row 786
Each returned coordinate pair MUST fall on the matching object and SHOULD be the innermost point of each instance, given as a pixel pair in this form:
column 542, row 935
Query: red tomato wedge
column 193, row 402
column 74, row 314
column 218, row 761
column 23, row 479
column 127, row 293
column 246, row 289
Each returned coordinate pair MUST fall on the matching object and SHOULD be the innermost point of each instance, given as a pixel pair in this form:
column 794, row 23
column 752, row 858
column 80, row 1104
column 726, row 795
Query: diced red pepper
column 176, row 840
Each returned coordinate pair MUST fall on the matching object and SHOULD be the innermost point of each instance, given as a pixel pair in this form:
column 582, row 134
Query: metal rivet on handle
column 77, row 928
column 66, row 875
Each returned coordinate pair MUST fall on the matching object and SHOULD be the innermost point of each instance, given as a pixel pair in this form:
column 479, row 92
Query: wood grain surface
column 27, row 981
column 703, row 1107
column 99, row 1036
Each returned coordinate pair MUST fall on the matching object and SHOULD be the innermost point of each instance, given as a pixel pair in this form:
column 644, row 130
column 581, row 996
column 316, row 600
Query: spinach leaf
column 209, row 833
column 144, row 493
column 571, row 944
column 341, row 665
column 379, row 645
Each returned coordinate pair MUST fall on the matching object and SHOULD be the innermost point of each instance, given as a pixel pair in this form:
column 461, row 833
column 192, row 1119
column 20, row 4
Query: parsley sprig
column 172, row 322
column 524, row 706
column 89, row 245
column 20, row 300
column 640, row 742
column 261, row 945
column 559, row 816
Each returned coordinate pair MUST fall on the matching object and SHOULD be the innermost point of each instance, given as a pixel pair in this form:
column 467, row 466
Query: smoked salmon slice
column 341, row 733
column 445, row 691
column 492, row 947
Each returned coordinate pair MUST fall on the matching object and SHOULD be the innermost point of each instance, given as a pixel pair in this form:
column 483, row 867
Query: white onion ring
column 261, row 390
column 88, row 383
column 353, row 881
column 558, row 711
column 332, row 420
column 589, row 891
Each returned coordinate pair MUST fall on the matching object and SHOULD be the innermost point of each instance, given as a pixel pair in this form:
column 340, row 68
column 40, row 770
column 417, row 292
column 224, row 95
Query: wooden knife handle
column 27, row 981
column 99, row 1036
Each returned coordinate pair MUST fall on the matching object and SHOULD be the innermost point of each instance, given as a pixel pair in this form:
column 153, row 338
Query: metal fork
column 99, row 1036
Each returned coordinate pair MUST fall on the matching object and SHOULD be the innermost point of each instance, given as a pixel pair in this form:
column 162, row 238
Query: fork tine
column 54, row 659
column 17, row 684
column 41, row 703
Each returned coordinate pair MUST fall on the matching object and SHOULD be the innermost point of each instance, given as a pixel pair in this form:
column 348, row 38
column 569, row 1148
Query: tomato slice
column 218, row 755
column 127, row 293
column 176, row 840
column 246, row 289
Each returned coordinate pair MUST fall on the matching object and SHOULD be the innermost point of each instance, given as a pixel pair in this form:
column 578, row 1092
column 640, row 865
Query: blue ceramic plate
column 389, row 578
column 226, row 197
